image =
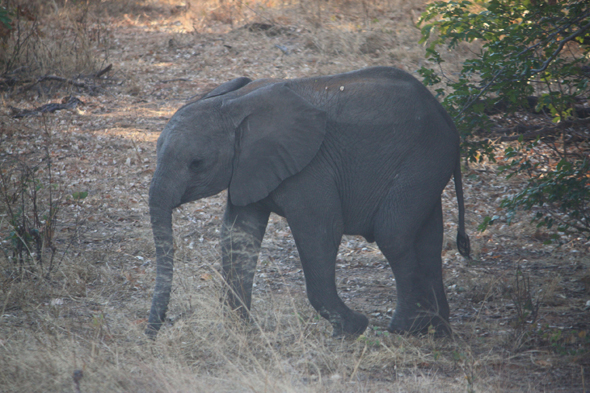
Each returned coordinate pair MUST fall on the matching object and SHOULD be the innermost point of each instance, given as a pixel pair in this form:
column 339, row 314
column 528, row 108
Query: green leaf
column 487, row 221
column 5, row 18
column 80, row 195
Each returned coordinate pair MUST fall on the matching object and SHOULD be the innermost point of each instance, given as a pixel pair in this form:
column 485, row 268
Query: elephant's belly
column 366, row 232
column 358, row 220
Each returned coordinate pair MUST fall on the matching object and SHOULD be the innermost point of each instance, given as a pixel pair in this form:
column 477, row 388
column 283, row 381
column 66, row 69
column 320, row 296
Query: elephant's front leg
column 242, row 232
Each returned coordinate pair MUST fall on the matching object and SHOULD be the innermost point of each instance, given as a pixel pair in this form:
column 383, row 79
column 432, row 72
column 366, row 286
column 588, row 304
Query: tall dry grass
column 286, row 348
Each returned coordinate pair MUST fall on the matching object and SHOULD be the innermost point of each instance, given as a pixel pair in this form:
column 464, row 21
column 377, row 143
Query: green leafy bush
column 533, row 56
column 5, row 19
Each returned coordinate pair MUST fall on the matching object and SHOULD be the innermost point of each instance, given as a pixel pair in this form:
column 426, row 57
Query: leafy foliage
column 566, row 188
column 533, row 57
column 5, row 19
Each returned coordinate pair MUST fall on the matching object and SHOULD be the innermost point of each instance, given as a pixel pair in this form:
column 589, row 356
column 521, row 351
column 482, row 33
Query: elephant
column 366, row 153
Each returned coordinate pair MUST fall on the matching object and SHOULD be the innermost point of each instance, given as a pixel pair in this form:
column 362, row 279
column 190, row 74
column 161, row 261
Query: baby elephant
column 366, row 153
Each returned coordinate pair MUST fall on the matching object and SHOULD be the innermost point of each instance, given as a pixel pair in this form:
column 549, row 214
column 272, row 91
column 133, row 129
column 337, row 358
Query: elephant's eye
column 194, row 165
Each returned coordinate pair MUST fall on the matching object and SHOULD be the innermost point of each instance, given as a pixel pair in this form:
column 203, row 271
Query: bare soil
column 89, row 316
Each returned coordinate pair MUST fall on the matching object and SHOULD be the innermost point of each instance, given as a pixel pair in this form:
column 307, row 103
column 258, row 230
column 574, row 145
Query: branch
column 60, row 79
column 529, row 135
column 103, row 71
column 559, row 48
column 175, row 80
column 532, row 132
column 69, row 102
column 555, row 33
column 517, row 129
column 57, row 79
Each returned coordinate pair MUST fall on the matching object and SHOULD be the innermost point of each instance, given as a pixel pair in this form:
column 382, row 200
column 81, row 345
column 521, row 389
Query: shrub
column 38, row 38
column 29, row 201
column 533, row 57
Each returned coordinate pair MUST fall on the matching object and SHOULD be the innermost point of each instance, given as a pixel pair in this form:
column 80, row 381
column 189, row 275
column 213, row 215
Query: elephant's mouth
column 192, row 194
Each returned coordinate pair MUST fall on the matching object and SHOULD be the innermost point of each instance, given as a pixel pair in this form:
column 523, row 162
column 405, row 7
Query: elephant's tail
column 462, row 238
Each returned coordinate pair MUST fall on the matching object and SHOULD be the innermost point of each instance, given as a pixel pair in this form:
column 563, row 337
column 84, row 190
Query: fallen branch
column 517, row 129
column 175, row 80
column 7, row 81
column 103, row 71
column 528, row 133
column 55, row 78
column 69, row 102
column 61, row 79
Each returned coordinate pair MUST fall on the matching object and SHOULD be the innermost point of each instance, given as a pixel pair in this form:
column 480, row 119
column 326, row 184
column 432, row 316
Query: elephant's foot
column 152, row 331
column 421, row 324
column 351, row 325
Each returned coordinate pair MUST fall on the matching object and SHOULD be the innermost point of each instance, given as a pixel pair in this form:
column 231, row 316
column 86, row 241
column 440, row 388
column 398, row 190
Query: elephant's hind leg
column 429, row 248
column 317, row 235
column 411, row 240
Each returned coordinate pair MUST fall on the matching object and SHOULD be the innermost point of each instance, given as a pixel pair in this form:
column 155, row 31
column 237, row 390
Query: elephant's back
column 383, row 97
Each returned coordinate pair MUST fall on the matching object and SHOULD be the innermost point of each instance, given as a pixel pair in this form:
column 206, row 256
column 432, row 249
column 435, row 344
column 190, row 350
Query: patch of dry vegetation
column 285, row 349
column 51, row 38
column 81, row 329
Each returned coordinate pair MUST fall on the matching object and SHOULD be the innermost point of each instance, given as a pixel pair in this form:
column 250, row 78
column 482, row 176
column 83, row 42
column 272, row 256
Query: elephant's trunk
column 161, row 219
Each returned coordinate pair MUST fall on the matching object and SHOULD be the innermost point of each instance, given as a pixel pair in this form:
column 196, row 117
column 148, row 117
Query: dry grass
column 287, row 348
column 55, row 38
column 90, row 314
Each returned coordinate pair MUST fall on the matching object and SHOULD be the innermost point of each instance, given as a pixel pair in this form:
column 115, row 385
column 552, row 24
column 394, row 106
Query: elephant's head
column 241, row 136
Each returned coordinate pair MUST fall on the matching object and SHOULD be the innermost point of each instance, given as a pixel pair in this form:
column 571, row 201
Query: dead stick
column 103, row 71
column 536, row 132
column 61, row 79
column 52, row 78
column 175, row 80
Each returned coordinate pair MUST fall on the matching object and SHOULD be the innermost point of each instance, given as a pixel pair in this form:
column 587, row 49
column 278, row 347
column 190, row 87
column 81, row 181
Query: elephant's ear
column 277, row 134
column 227, row 87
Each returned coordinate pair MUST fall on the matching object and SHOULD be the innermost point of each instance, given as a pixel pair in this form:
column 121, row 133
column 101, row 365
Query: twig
column 519, row 128
column 175, row 80
column 103, row 71
column 559, row 48
column 358, row 363
column 529, row 135
column 61, row 79
column 55, row 78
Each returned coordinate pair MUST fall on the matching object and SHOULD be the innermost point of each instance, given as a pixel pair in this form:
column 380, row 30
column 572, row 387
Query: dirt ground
column 90, row 315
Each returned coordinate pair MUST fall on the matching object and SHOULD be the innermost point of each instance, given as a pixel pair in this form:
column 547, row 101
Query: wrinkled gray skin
column 363, row 153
